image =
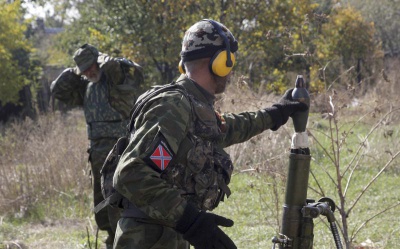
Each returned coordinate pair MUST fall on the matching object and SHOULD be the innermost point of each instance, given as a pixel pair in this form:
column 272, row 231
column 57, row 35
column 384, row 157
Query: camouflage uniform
column 107, row 106
column 174, row 169
column 175, row 156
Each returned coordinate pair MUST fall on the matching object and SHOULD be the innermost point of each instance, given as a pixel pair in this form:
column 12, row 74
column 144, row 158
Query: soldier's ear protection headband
column 222, row 62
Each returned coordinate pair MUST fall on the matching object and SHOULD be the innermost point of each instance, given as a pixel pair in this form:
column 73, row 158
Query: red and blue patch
column 161, row 157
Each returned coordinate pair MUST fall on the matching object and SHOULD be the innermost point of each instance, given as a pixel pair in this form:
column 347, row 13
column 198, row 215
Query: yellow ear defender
column 222, row 62
column 181, row 67
column 218, row 64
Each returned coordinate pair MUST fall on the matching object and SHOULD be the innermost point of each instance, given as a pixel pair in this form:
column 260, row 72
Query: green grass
column 63, row 222
column 365, row 147
column 252, row 210
column 252, row 206
column 45, row 195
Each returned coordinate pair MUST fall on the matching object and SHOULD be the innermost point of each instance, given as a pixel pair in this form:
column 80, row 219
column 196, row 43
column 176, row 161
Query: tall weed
column 43, row 166
column 357, row 153
column 354, row 143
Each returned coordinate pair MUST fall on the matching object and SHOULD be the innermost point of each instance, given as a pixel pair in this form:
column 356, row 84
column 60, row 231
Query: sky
column 36, row 11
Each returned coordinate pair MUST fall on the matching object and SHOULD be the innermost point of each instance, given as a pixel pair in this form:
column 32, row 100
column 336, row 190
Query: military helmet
column 85, row 56
column 205, row 38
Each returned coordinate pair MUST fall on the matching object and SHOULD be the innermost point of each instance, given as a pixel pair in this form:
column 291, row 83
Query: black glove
column 285, row 108
column 201, row 229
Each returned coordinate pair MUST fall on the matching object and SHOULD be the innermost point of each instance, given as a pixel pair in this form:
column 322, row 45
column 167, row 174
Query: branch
column 372, row 181
column 328, row 155
column 354, row 234
column 351, row 175
column 362, row 145
column 368, row 135
column 359, row 148
column 322, row 193
column 348, row 70
column 321, row 146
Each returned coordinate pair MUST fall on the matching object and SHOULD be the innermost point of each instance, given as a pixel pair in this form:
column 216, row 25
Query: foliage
column 266, row 33
column 152, row 35
column 148, row 32
column 14, row 49
column 346, row 43
column 385, row 16
column 276, row 38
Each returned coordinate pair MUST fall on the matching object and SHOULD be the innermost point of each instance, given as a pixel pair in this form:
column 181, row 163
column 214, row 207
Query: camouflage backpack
column 129, row 79
column 111, row 196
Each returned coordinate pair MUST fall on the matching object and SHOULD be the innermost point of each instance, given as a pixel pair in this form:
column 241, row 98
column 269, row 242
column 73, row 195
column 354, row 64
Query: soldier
column 174, row 170
column 107, row 88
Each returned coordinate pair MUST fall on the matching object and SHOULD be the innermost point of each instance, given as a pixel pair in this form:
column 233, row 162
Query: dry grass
column 42, row 162
column 264, row 152
column 43, row 168
column 371, row 123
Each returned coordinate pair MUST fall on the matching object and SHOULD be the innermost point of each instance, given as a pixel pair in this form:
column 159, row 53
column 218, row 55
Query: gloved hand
column 201, row 229
column 285, row 108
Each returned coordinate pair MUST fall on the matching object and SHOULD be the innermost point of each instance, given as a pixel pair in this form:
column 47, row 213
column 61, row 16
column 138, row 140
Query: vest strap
column 113, row 198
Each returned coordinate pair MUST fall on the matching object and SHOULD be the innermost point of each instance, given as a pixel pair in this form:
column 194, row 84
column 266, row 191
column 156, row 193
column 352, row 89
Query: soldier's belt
column 131, row 211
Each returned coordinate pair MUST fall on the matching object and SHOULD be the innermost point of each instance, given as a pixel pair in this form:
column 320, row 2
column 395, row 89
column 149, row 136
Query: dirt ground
column 65, row 234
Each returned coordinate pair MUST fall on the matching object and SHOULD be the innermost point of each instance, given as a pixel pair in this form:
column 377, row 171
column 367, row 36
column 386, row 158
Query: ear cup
column 181, row 67
column 218, row 63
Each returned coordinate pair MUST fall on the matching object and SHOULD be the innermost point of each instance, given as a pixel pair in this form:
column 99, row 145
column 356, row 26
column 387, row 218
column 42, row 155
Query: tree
column 13, row 50
column 351, row 145
column 277, row 39
column 385, row 14
column 267, row 32
column 149, row 32
column 345, row 48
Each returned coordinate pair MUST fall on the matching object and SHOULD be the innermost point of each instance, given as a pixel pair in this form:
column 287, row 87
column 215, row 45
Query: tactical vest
column 102, row 119
column 201, row 169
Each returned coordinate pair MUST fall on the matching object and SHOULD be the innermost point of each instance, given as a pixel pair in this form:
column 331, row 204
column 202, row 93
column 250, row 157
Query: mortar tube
column 298, row 173
column 295, row 197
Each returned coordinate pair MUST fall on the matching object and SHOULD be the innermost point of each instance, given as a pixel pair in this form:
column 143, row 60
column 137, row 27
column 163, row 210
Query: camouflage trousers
column 132, row 234
column 107, row 218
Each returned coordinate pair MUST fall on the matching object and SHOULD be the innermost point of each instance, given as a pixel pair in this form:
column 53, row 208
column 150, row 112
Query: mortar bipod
column 325, row 206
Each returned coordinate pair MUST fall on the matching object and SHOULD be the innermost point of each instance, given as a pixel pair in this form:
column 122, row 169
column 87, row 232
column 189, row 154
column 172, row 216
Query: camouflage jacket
column 107, row 104
column 175, row 152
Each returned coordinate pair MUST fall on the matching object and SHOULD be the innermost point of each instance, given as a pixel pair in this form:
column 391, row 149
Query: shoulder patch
column 159, row 154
